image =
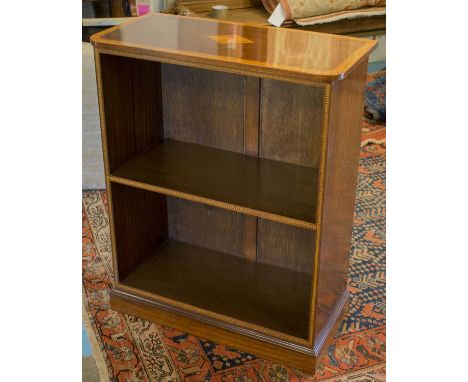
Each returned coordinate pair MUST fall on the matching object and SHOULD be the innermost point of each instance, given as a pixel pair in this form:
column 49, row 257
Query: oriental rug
column 128, row 348
column 374, row 122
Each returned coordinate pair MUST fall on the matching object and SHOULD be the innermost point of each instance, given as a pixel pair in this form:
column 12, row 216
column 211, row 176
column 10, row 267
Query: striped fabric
column 309, row 12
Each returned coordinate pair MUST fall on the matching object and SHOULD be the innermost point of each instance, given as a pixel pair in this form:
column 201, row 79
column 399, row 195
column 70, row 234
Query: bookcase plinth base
column 136, row 307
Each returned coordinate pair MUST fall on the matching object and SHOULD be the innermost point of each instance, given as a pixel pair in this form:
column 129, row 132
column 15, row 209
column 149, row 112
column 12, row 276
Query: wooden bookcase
column 231, row 156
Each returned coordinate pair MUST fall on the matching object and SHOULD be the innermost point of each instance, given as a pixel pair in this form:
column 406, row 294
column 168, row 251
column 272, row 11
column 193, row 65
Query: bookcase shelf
column 260, row 187
column 231, row 155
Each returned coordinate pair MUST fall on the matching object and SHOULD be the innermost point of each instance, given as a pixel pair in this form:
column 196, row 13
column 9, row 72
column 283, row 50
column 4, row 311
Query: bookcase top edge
column 236, row 47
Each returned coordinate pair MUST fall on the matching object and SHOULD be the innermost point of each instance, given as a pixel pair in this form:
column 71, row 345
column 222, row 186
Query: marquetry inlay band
column 231, row 39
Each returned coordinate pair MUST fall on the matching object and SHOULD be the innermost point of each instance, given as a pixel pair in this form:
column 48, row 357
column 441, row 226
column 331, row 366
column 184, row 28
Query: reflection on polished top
column 239, row 47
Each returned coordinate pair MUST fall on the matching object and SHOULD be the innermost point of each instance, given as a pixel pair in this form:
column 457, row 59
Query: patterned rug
column 373, row 129
column 131, row 349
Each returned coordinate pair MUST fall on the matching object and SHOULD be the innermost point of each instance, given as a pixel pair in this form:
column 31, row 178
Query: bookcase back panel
column 132, row 106
column 140, row 224
column 205, row 226
column 290, row 122
column 285, row 246
column 203, row 107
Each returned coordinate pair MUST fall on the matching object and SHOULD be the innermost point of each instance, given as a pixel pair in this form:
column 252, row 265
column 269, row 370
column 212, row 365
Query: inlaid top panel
column 236, row 47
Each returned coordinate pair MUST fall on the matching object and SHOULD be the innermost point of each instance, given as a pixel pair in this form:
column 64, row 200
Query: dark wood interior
column 193, row 133
column 290, row 122
column 140, row 224
column 132, row 106
column 214, row 135
column 206, row 226
column 203, row 107
column 193, row 253
column 285, row 246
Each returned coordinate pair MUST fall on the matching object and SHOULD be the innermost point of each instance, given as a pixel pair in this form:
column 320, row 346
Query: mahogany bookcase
column 231, row 155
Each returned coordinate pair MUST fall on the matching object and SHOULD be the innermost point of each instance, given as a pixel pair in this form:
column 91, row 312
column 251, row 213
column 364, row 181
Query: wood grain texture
column 158, row 313
column 250, row 237
column 252, row 116
column 330, row 328
column 272, row 297
column 285, row 246
column 342, row 159
column 273, row 52
column 259, row 184
column 203, row 107
column 251, row 132
column 205, row 226
column 140, row 224
column 132, row 104
column 290, row 124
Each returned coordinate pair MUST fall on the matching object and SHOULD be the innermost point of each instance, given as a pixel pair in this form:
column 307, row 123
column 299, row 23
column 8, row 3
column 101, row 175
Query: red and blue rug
column 128, row 348
column 373, row 130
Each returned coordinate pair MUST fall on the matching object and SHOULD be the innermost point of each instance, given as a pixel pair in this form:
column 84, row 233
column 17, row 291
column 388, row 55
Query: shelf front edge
column 215, row 203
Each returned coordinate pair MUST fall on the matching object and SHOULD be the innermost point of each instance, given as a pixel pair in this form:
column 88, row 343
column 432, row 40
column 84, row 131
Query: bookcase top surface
column 236, row 47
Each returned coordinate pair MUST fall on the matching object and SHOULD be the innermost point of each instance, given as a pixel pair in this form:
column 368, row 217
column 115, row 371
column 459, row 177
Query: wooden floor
column 89, row 370
column 258, row 293
column 260, row 184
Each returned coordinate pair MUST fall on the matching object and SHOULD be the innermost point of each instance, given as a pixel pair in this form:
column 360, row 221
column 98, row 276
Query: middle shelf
column 265, row 188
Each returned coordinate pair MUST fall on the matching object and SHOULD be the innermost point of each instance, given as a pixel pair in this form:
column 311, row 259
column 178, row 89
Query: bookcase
column 231, row 155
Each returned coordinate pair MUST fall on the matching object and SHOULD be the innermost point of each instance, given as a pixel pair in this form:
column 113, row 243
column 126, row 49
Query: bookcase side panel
column 203, row 107
column 132, row 103
column 340, row 180
column 140, row 224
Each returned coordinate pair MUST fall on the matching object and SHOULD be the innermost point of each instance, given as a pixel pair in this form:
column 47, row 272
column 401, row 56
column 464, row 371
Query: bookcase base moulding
column 298, row 356
column 231, row 156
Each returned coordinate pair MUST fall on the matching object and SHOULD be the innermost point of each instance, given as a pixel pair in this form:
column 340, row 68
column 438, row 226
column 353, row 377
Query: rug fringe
column 96, row 349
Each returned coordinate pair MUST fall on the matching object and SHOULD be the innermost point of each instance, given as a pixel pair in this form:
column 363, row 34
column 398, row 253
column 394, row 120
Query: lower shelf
column 262, row 294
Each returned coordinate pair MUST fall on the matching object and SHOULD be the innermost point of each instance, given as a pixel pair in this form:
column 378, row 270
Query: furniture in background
column 248, row 11
column 101, row 14
column 231, row 161
column 253, row 12
column 108, row 8
column 95, row 25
